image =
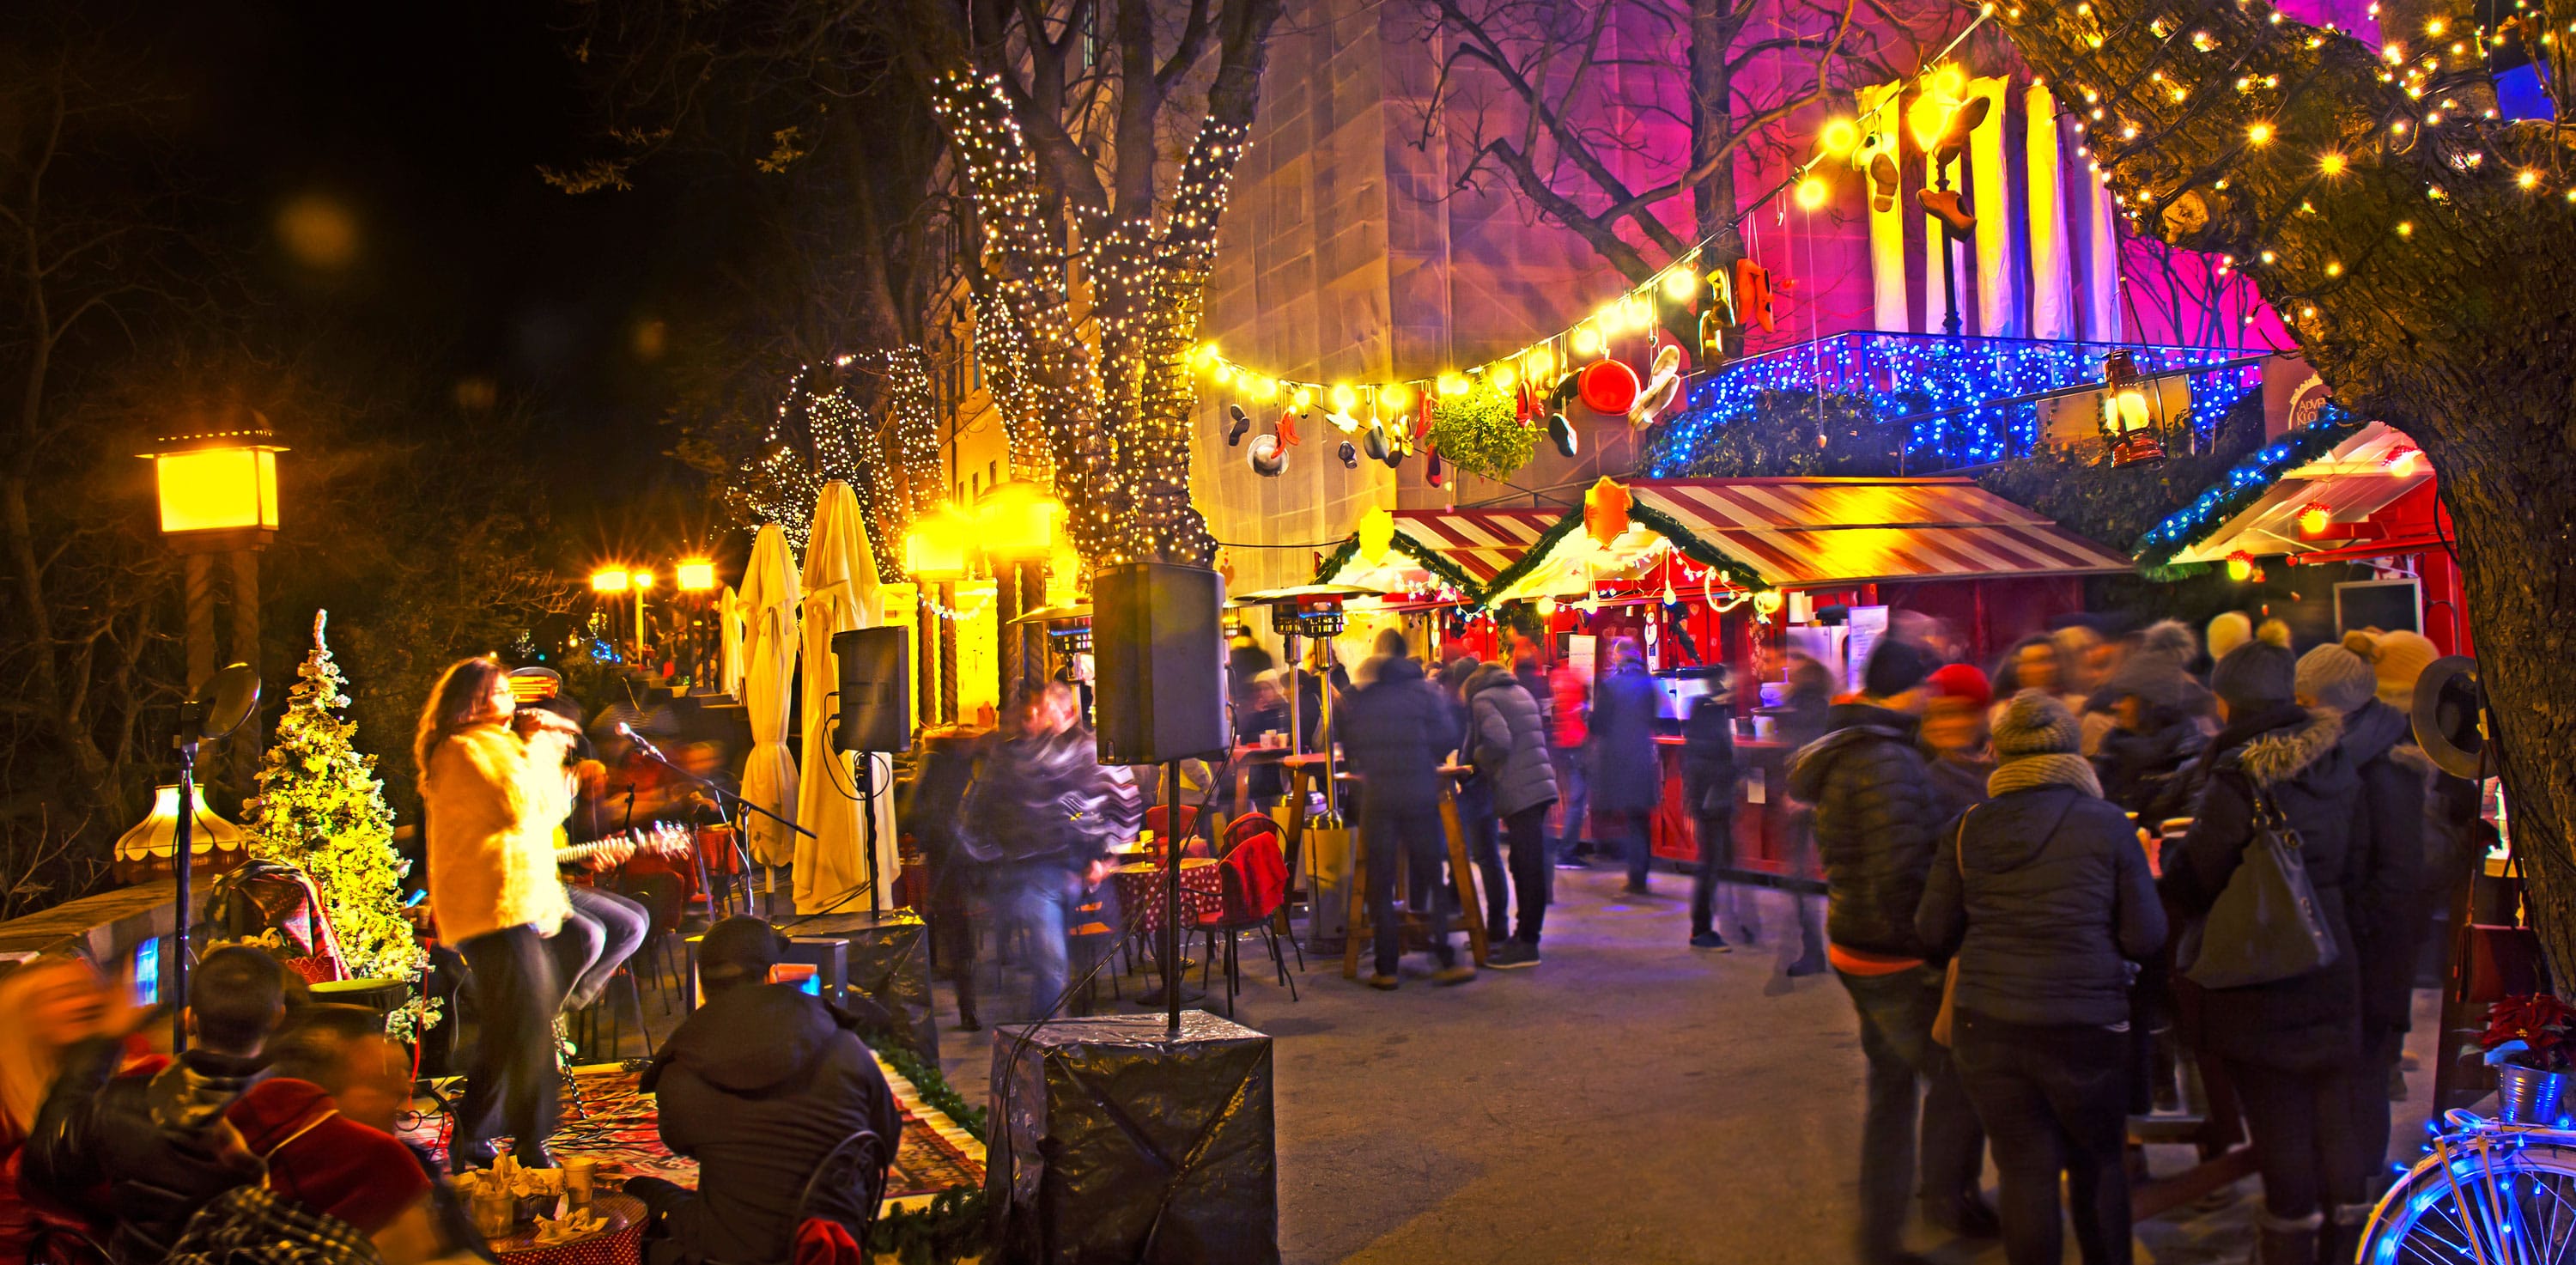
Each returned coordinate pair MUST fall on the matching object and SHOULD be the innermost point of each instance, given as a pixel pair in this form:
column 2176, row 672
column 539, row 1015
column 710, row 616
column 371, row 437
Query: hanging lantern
column 1607, row 387
column 2127, row 426
column 2314, row 519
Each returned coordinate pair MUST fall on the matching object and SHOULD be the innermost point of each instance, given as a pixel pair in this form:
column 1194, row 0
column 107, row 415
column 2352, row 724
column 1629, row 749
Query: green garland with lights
column 955, row 1226
column 2241, row 486
column 1449, row 572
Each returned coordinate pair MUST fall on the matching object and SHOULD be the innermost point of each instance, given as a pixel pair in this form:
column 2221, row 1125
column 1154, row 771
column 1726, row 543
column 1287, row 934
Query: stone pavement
column 1631, row 1099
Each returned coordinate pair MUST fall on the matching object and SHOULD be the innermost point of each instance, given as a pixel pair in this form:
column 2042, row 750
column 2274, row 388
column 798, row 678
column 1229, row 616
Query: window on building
column 974, row 485
column 993, row 473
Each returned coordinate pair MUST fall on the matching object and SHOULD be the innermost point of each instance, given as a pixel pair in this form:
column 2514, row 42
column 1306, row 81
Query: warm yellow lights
column 1539, row 364
column 1452, row 384
column 1395, row 396
column 1811, row 193
column 1949, row 80
column 1344, row 397
column 609, row 580
column 1016, row 522
column 1502, row 376
column 936, row 549
column 2240, row 568
column 695, row 575
column 2405, row 228
column 1203, row 355
column 2332, row 164
column 1678, row 285
column 2527, row 178
column 1587, row 340
column 2333, row 269
column 1304, row 399
column 1839, row 136
column 2259, row 134
column 2314, row 520
column 217, row 489
column 640, row 579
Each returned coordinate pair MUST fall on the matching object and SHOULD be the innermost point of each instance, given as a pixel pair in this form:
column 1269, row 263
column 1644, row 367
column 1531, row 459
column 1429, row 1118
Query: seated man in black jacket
column 759, row 1086
column 145, row 1151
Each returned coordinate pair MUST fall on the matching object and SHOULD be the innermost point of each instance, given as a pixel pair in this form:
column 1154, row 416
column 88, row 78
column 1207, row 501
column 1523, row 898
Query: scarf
column 2063, row 769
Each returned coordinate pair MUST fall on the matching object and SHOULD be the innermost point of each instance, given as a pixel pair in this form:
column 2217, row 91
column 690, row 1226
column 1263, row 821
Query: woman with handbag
column 2042, row 897
column 2261, row 878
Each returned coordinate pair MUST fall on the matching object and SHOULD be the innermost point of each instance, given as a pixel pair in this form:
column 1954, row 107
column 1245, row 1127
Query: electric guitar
column 662, row 839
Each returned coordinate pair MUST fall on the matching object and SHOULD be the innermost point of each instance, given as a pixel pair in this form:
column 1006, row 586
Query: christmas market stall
column 2350, row 515
column 1746, row 573
column 1423, row 559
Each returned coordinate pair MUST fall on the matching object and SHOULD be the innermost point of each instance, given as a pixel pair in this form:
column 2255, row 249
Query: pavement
column 1630, row 1099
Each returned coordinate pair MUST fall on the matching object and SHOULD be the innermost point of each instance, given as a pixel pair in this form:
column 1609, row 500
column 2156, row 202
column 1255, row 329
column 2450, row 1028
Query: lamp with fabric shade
column 144, row 852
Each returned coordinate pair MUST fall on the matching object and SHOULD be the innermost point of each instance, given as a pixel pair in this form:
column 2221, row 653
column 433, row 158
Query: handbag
column 2265, row 925
column 2497, row 961
column 1945, row 1022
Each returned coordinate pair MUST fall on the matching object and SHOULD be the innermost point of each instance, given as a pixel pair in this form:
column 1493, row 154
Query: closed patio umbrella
column 840, row 595
column 769, row 610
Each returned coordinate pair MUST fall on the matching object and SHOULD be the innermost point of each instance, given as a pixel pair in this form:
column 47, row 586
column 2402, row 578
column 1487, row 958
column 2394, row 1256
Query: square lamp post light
column 216, row 483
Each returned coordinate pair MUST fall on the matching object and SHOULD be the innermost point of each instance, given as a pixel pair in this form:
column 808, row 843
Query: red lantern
column 1607, row 386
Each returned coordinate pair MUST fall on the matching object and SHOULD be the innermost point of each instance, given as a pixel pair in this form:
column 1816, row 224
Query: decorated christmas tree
column 322, row 810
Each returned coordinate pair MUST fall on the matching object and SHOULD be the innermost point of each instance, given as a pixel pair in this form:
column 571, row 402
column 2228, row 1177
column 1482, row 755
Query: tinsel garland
column 955, row 1226
column 2243, row 484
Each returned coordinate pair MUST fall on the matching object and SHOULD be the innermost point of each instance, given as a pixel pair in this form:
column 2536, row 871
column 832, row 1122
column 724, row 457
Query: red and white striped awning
column 1478, row 543
column 1805, row 532
column 1792, row 533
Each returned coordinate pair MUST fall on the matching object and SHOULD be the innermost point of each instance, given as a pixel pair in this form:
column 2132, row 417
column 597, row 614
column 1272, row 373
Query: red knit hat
column 1962, row 681
column 325, row 1161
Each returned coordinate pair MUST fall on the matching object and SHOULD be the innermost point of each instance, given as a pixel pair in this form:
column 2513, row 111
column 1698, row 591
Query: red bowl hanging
column 1607, row 386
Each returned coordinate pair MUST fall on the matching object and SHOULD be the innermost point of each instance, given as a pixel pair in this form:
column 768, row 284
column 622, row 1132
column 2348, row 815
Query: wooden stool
column 1472, row 906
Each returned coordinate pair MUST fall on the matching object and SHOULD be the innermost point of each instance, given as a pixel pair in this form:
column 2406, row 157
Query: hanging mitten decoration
column 1422, row 420
column 1239, row 423
column 1269, row 456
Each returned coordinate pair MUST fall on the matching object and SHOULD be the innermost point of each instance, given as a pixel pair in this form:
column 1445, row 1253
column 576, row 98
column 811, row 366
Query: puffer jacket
column 1395, row 729
column 1627, row 774
column 2145, row 773
column 2307, row 1022
column 1876, row 818
column 2389, row 906
column 1509, row 744
column 144, row 1150
column 1708, row 757
column 2045, row 897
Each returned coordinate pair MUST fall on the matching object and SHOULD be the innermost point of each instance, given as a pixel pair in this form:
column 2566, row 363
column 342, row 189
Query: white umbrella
column 769, row 608
column 729, row 643
column 840, row 595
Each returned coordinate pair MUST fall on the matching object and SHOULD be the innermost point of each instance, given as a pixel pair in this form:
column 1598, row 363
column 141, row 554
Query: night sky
column 426, row 123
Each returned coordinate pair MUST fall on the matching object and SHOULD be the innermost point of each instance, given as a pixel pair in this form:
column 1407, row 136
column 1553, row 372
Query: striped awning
column 1791, row 533
column 1463, row 547
column 2358, row 477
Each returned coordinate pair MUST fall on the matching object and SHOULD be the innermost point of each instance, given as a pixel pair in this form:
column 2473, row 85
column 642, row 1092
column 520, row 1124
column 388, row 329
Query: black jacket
column 1395, row 730
column 758, row 1086
column 1627, row 773
column 2052, row 904
column 2389, row 907
column 2311, row 1021
column 1876, row 817
column 1708, row 758
column 154, row 1146
column 1048, row 801
column 2146, row 773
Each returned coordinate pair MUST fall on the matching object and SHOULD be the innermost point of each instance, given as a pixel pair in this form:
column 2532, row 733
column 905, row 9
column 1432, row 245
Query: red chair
column 1158, row 815
column 1255, row 878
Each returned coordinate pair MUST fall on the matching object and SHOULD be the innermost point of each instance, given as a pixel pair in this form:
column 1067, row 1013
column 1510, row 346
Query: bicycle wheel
column 2502, row 1197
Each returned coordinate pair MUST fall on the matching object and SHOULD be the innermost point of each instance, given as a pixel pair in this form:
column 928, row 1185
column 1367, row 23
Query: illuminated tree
column 2422, row 253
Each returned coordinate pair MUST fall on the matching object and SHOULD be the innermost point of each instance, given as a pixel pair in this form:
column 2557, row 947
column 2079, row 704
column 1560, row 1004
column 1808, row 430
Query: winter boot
column 2286, row 1240
column 2339, row 1240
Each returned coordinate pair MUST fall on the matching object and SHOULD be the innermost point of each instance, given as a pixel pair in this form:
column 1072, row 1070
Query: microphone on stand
column 627, row 732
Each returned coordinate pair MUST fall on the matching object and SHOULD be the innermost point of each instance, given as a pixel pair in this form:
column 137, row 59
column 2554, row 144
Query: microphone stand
column 741, row 857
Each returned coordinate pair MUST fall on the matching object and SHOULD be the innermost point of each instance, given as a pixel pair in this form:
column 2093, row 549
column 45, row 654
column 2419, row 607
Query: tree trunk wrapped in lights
column 2424, row 257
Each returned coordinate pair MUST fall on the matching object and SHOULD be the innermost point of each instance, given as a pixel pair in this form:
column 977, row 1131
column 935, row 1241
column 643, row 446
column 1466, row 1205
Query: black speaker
column 1158, row 659
column 876, row 690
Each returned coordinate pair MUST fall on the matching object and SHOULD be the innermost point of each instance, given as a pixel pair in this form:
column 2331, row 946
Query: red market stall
column 2332, row 494
column 1741, row 571
column 1437, row 558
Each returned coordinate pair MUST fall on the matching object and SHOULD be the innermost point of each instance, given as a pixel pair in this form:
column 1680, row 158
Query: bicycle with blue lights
column 2487, row 1192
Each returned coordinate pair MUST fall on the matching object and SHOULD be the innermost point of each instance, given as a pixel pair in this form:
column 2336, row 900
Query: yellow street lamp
column 696, row 575
column 216, row 479
column 936, row 550
column 612, row 580
column 1018, row 523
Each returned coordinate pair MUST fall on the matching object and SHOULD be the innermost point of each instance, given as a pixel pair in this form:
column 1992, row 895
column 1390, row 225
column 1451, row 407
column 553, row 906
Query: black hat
column 1895, row 667
column 737, row 950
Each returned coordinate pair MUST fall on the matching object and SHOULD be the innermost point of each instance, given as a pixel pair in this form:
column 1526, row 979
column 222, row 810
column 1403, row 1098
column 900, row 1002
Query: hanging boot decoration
column 1241, row 422
column 1561, row 433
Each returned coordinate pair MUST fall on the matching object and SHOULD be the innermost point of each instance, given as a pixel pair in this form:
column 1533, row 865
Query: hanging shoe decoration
column 1966, row 119
column 1394, row 457
column 1661, row 389
column 1287, row 428
column 1350, row 455
column 1882, row 182
column 1373, row 441
column 1432, row 471
column 1753, row 295
column 1241, row 422
column 1422, row 418
column 1946, row 206
column 1523, row 407
column 1269, row 456
column 1561, row 433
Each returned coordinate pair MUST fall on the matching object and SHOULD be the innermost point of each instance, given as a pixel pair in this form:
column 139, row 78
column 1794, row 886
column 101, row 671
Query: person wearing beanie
column 2159, row 725
column 2292, row 1047
column 2399, row 658
column 1955, row 699
column 1876, row 819
column 2384, row 883
column 2274, row 632
column 2043, row 895
column 1627, row 780
column 2227, row 631
column 334, row 1189
column 758, row 1085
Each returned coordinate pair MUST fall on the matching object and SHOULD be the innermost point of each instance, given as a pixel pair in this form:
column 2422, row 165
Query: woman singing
column 492, row 779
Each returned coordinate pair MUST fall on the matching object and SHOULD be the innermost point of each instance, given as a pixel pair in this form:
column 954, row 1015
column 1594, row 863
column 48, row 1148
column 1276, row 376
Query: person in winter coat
column 1627, row 774
column 1800, row 719
column 2044, row 895
column 1394, row 731
column 1876, row 821
column 2161, row 653
column 2290, row 1046
column 144, row 1150
column 1507, row 742
column 1041, row 818
column 2386, row 907
column 1478, row 823
column 1568, row 709
column 48, row 1007
column 1955, row 702
column 758, row 1085
column 2159, row 724
column 1708, row 790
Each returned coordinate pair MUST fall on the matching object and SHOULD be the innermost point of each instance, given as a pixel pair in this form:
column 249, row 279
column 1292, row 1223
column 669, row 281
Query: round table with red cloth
column 620, row 1244
column 1140, row 893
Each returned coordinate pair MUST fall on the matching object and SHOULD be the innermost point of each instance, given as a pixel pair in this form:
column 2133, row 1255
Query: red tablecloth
column 1140, row 893
column 621, row 1244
